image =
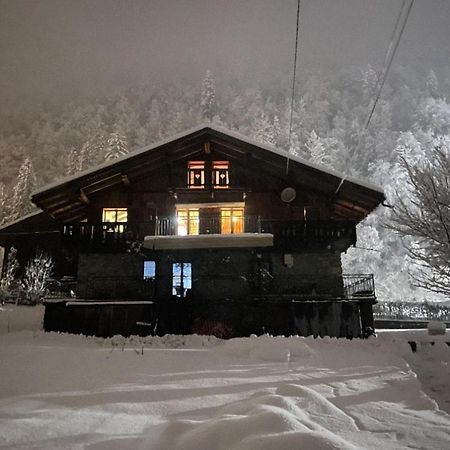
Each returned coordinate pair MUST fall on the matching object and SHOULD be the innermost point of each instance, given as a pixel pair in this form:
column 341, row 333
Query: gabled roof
column 67, row 199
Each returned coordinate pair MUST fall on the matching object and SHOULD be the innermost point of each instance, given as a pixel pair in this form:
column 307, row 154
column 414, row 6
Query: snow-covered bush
column 37, row 274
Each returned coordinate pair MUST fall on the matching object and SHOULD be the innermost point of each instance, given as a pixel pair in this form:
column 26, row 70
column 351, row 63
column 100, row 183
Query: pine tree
column 208, row 104
column 3, row 212
column 91, row 152
column 12, row 266
column 20, row 201
column 316, row 148
column 74, row 162
column 432, row 84
column 264, row 130
column 369, row 82
column 116, row 146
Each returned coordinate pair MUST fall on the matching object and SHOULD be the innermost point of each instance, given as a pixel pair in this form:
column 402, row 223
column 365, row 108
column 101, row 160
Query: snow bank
column 15, row 318
column 166, row 341
column 292, row 417
column 267, row 348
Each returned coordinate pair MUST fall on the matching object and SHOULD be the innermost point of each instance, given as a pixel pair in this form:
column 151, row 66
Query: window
column 196, row 174
column 149, row 270
column 117, row 217
column 232, row 220
column 220, row 174
column 181, row 279
column 187, row 221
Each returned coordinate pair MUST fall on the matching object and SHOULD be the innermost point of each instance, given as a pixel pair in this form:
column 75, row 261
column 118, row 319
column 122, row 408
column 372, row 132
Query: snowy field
column 191, row 392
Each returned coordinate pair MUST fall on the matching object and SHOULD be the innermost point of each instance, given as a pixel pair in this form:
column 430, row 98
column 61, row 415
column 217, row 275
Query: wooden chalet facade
column 203, row 231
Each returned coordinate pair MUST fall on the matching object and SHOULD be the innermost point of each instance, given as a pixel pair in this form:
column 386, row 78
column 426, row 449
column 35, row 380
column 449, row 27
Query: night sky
column 57, row 49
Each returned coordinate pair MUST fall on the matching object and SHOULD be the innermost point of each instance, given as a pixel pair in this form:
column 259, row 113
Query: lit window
column 196, row 174
column 232, row 220
column 181, row 279
column 149, row 270
column 115, row 215
column 187, row 221
column 114, row 220
column 220, row 174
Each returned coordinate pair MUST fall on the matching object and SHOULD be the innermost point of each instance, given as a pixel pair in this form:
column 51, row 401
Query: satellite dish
column 288, row 195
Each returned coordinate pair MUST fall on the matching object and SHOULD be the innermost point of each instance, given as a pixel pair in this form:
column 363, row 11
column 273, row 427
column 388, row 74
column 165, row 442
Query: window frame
column 183, row 293
column 193, row 168
column 218, row 168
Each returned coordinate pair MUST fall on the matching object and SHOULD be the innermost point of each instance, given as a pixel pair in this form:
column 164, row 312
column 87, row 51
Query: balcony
column 359, row 286
column 111, row 236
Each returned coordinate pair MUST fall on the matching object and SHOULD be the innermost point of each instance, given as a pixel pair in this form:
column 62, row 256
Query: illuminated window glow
column 181, row 279
column 232, row 220
column 196, row 174
column 149, row 270
column 220, row 175
column 115, row 215
column 187, row 221
column 114, row 220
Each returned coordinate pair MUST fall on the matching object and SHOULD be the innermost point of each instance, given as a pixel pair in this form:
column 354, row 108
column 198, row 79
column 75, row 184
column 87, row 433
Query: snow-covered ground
column 192, row 392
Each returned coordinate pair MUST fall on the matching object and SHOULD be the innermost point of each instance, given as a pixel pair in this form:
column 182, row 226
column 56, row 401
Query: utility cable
column 293, row 86
column 390, row 54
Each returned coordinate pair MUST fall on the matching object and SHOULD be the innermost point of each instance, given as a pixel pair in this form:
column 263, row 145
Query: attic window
column 196, row 174
column 220, row 175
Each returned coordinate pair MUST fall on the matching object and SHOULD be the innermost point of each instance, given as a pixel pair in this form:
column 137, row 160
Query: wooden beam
column 125, row 180
column 84, row 198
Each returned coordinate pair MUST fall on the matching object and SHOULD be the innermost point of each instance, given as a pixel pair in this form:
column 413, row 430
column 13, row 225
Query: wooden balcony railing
column 337, row 235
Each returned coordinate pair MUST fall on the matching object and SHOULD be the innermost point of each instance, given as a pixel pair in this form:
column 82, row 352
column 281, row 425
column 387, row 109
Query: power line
column 392, row 49
column 293, row 85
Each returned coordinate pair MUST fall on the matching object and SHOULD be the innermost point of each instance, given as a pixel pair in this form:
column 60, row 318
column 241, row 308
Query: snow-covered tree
column 74, row 162
column 432, row 84
column 35, row 281
column 369, row 81
column 20, row 201
column 9, row 273
column 316, row 149
column 208, row 104
column 424, row 218
column 116, row 146
column 3, row 206
column 264, row 130
column 90, row 152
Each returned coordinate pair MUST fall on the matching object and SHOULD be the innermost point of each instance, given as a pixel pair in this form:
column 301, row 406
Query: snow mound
column 165, row 341
column 291, row 417
column 15, row 318
column 267, row 348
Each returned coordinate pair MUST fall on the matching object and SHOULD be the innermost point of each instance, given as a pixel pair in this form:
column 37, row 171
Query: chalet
column 204, row 232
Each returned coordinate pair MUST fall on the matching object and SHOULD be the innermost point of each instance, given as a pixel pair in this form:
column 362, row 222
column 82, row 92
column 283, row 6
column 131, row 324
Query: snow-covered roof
column 20, row 219
column 198, row 128
column 67, row 199
column 208, row 241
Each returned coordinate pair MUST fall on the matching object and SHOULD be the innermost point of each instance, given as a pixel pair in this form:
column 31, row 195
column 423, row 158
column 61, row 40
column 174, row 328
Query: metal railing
column 359, row 285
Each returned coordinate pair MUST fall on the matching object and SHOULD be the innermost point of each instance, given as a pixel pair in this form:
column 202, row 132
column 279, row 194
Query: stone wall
column 112, row 276
column 217, row 274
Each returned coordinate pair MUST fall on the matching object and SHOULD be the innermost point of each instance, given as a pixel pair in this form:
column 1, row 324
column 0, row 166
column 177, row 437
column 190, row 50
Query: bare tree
column 424, row 219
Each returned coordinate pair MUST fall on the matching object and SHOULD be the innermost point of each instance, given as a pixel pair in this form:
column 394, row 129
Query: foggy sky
column 57, row 49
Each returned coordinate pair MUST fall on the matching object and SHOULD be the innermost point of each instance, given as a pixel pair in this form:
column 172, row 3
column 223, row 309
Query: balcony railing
column 287, row 234
column 359, row 285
